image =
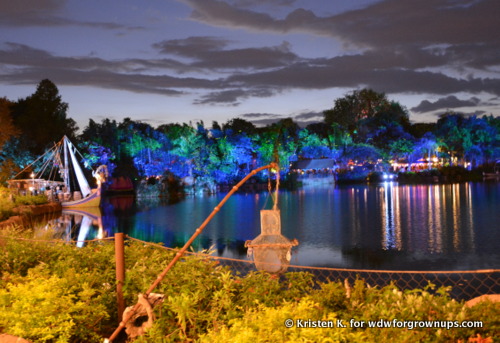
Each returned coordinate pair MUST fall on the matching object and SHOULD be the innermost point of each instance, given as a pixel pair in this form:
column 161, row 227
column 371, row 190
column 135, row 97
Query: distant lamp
column 33, row 181
column 271, row 250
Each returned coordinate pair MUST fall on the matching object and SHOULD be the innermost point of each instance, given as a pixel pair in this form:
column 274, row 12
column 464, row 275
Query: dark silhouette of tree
column 42, row 118
column 354, row 107
column 239, row 125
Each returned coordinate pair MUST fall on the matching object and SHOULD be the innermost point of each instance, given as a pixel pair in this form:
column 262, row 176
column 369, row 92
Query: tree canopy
column 362, row 126
column 42, row 118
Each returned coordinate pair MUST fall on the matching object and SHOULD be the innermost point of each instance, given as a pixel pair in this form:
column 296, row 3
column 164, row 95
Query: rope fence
column 465, row 284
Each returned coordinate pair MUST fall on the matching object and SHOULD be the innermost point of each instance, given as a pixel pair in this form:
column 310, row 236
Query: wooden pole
column 120, row 272
column 181, row 252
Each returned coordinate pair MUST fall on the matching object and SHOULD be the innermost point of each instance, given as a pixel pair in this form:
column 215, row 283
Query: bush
column 6, row 208
column 47, row 308
column 55, row 292
column 31, row 200
column 7, row 204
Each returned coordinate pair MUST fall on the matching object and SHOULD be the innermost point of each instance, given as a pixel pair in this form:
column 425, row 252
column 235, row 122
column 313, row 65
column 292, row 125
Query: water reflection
column 75, row 225
column 385, row 225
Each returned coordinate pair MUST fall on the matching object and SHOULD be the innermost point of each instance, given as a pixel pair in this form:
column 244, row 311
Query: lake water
column 382, row 226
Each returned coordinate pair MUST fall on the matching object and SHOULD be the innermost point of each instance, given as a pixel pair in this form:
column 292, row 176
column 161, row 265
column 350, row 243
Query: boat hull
column 93, row 200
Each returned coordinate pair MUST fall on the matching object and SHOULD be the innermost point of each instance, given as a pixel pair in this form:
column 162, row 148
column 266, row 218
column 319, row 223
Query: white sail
column 82, row 181
column 84, row 231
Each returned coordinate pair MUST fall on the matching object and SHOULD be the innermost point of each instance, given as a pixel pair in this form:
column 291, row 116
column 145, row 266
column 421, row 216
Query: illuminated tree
column 278, row 141
column 312, row 146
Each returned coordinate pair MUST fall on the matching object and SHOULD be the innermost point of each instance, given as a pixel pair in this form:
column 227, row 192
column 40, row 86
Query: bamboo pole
column 181, row 252
column 120, row 272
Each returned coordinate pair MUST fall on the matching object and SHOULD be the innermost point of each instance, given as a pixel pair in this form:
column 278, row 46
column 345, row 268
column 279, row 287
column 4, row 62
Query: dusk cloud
column 448, row 102
column 227, row 53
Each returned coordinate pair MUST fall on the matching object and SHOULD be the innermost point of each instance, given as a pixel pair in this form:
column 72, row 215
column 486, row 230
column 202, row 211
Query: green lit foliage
column 47, row 308
column 401, row 148
column 278, row 142
column 469, row 138
column 365, row 304
column 8, row 202
column 312, row 146
column 55, row 292
column 190, row 145
column 58, row 293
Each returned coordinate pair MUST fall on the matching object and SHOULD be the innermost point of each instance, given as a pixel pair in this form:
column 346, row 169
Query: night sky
column 261, row 60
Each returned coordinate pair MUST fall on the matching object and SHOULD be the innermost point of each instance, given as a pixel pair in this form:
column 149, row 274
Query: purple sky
column 188, row 60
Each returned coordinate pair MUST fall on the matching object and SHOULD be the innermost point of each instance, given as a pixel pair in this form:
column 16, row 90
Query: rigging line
column 29, row 165
column 52, row 159
column 55, row 168
column 46, row 164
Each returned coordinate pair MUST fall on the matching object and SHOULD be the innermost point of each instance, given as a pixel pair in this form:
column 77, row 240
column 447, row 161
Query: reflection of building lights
column 388, row 176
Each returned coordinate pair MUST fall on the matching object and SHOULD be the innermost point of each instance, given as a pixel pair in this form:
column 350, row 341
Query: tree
column 354, row 107
column 401, row 148
column 312, row 146
column 361, row 153
column 42, row 118
column 238, row 125
column 8, row 129
column 278, row 142
column 385, row 126
column 8, row 133
column 468, row 138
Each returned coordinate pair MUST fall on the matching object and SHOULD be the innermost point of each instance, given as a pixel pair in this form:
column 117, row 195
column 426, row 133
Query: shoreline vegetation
column 363, row 130
column 21, row 209
column 15, row 209
column 57, row 292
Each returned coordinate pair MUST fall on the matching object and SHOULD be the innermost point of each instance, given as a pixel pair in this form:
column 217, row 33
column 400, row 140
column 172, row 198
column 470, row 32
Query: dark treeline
column 362, row 127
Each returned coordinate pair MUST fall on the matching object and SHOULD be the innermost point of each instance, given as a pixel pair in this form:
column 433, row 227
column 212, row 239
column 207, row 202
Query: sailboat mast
column 66, row 164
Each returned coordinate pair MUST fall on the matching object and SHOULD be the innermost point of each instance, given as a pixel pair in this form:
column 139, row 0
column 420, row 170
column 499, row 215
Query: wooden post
column 179, row 254
column 120, row 273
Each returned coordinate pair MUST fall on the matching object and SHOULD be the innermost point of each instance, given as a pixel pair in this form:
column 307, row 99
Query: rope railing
column 466, row 284
column 56, row 240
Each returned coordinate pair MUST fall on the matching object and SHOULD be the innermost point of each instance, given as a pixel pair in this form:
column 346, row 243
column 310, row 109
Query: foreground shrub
column 46, row 308
column 55, row 292
column 350, row 318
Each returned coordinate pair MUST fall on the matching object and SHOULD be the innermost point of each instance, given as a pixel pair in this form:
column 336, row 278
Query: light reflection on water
column 384, row 226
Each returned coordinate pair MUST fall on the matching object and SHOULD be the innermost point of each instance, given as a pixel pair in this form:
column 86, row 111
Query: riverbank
column 443, row 175
column 24, row 214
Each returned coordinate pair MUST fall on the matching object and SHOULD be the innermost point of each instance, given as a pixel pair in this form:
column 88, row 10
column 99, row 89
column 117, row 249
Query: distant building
column 312, row 171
